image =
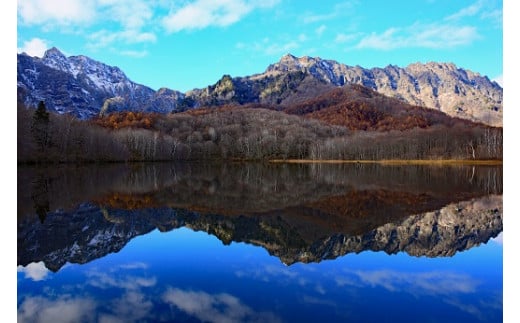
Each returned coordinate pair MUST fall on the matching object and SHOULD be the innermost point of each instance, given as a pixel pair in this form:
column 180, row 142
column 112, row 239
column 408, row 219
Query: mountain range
column 87, row 88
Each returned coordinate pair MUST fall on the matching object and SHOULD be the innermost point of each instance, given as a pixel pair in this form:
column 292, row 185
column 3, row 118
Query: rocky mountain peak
column 53, row 53
column 288, row 58
column 54, row 58
column 291, row 63
column 82, row 86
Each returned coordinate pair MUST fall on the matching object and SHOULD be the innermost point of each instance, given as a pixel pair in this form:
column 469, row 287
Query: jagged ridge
column 84, row 87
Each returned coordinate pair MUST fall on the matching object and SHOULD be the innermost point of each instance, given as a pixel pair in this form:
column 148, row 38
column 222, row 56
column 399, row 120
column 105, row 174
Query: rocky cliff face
column 84, row 87
column 441, row 86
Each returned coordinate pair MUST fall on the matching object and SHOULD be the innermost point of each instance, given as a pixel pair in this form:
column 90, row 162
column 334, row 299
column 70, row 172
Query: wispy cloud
column 495, row 16
column 485, row 10
column 134, row 265
column 34, row 47
column 421, row 36
column 320, row 30
column 104, row 38
column 200, row 14
column 268, row 47
column 345, row 38
column 337, row 11
column 221, row 307
column 318, row 18
column 133, row 306
column 62, row 309
column 105, row 280
column 468, row 11
column 433, row 283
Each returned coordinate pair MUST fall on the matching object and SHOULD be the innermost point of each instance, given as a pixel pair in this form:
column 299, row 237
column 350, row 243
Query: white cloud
column 34, row 47
column 200, row 14
column 133, row 306
column 63, row 309
column 56, row 11
column 135, row 19
column 221, row 307
column 320, row 30
column 104, row 280
column 131, row 14
column 421, row 36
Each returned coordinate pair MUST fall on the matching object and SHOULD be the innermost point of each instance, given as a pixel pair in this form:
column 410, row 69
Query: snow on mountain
column 81, row 86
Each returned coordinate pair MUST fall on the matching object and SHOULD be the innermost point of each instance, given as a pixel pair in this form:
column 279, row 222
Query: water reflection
column 243, row 285
column 299, row 213
column 248, row 243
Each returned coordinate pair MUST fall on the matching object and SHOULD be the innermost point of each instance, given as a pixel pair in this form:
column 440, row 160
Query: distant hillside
column 359, row 108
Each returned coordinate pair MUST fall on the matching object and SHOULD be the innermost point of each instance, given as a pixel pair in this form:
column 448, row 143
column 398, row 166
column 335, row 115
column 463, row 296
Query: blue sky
column 190, row 44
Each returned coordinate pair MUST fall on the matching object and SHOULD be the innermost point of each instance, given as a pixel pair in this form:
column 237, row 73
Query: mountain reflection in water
column 298, row 213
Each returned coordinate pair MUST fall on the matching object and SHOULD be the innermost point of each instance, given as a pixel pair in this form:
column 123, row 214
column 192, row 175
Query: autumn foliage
column 359, row 108
column 352, row 122
column 127, row 119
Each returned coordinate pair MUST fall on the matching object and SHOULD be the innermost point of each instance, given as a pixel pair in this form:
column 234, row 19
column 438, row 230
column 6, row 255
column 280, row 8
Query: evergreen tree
column 40, row 126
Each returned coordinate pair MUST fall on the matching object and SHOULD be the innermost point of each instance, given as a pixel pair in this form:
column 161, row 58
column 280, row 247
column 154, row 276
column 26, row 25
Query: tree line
column 235, row 133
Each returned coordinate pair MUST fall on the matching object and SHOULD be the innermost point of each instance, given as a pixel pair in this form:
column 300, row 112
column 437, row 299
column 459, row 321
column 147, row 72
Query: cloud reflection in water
column 35, row 271
column 217, row 308
column 63, row 309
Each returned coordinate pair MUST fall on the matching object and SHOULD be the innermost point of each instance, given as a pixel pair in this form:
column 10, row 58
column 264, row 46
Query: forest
column 250, row 132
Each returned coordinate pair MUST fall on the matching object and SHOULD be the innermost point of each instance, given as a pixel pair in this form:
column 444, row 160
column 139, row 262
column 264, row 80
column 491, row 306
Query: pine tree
column 40, row 126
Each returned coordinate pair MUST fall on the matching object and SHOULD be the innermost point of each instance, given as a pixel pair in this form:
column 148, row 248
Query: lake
column 259, row 242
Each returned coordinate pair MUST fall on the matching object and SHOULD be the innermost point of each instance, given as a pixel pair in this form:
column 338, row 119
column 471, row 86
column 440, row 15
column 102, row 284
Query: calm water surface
column 259, row 243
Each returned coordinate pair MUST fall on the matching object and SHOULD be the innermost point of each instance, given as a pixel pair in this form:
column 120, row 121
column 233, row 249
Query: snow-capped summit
column 80, row 85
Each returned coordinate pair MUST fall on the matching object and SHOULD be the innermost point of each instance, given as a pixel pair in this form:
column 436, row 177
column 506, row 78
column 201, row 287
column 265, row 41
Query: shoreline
column 494, row 162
